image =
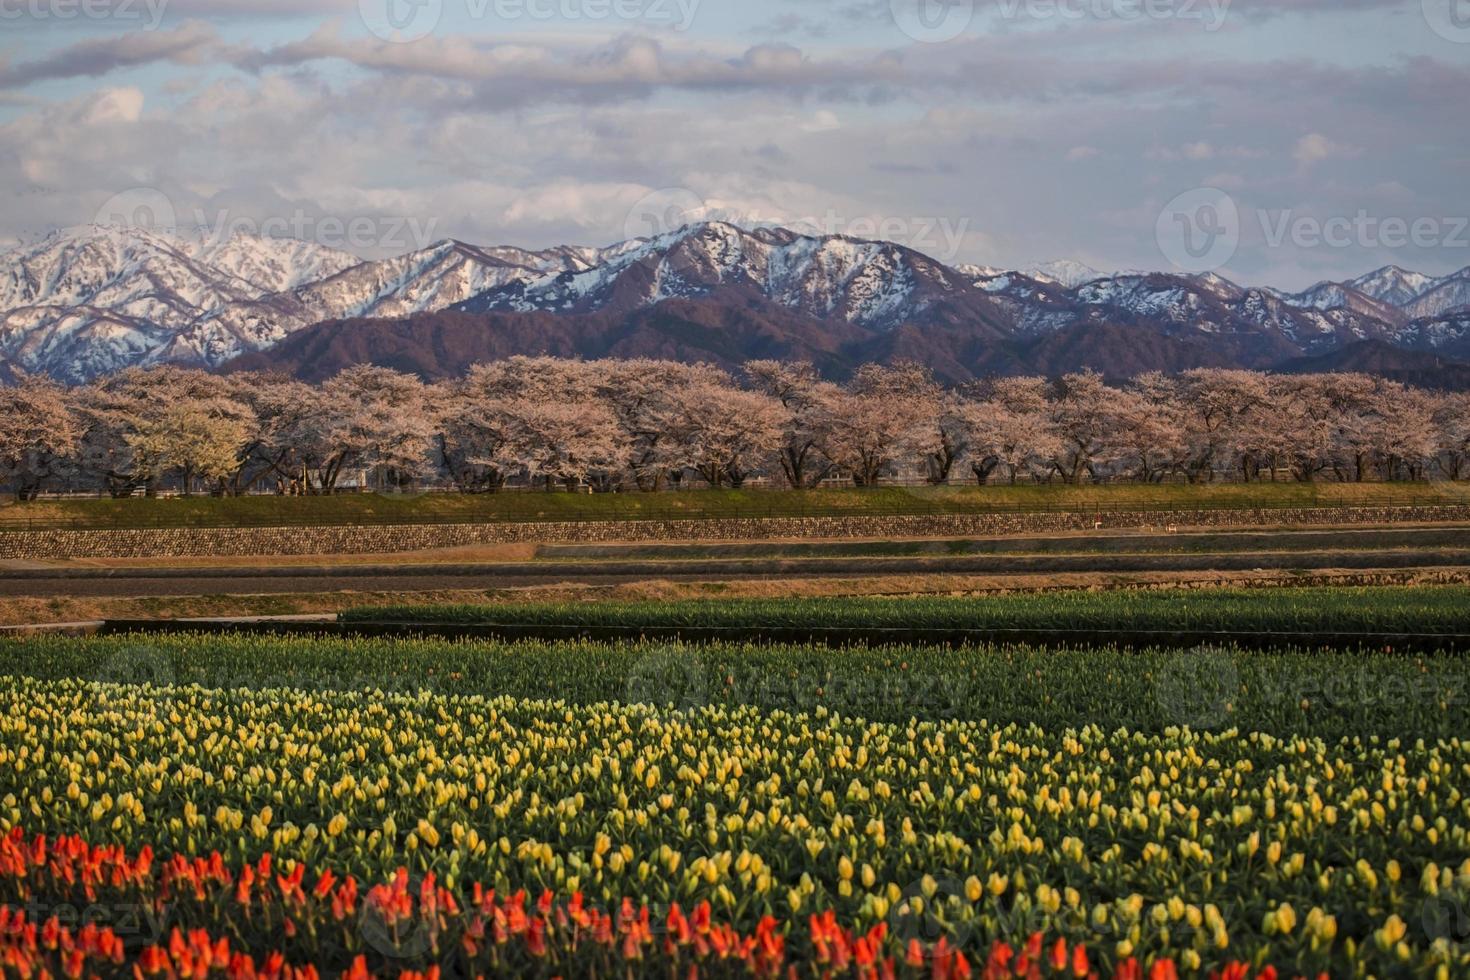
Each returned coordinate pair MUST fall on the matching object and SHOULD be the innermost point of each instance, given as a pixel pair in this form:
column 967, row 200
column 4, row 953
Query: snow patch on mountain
column 1064, row 272
column 1443, row 297
column 876, row 284
column 86, row 301
column 1393, row 285
column 89, row 300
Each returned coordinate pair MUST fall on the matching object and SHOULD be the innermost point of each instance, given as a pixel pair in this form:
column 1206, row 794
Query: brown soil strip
column 19, row 611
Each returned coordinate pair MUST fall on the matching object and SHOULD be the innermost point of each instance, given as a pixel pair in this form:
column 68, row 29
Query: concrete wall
column 389, row 539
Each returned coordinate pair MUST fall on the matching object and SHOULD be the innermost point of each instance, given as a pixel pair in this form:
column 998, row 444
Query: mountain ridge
column 83, row 302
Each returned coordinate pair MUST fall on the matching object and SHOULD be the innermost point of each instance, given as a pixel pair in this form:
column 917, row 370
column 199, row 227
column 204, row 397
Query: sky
column 1277, row 142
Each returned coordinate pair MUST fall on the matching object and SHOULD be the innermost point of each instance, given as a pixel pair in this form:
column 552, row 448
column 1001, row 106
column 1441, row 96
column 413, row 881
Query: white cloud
column 1314, row 148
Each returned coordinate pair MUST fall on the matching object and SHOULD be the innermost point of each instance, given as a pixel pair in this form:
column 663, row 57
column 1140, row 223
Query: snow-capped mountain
column 1449, row 335
column 90, row 300
column 877, row 285
column 425, row 281
column 975, row 273
column 131, row 273
column 1343, row 296
column 1064, row 272
column 1443, row 297
column 1214, row 306
column 1416, row 294
column 269, row 265
column 1393, row 285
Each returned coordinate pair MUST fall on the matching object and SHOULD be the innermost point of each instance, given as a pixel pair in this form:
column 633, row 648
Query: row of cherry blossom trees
column 649, row 425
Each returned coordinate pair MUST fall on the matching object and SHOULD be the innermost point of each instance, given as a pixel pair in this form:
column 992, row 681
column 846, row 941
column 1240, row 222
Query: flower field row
column 1345, row 854
column 1328, row 694
column 1427, row 609
column 425, row 930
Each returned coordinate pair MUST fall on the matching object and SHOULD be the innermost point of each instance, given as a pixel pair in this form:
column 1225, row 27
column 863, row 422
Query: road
column 216, row 581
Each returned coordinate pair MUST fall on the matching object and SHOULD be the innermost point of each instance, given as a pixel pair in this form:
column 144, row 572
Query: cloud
column 186, row 45
column 627, row 66
column 1048, row 143
column 1314, row 148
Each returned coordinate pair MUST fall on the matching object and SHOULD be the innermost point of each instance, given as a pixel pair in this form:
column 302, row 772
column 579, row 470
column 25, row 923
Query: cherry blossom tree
column 1008, row 424
column 880, row 417
column 1152, row 426
column 117, row 413
column 644, row 397
column 611, row 425
column 39, row 434
column 193, row 438
column 473, row 438
column 809, row 409
column 280, row 409
column 1086, row 423
column 1452, row 434
column 727, row 432
column 568, row 444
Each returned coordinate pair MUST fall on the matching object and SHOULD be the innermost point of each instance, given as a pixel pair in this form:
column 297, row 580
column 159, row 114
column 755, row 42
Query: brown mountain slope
column 737, row 327
column 441, row 345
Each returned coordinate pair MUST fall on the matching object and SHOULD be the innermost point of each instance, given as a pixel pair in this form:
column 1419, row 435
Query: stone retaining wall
column 390, row 539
